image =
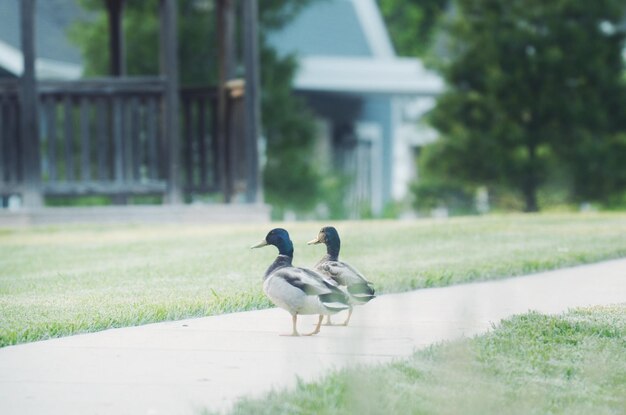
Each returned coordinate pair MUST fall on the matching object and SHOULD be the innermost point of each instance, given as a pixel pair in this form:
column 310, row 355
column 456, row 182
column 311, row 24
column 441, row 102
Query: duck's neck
column 281, row 261
column 332, row 250
column 325, row 259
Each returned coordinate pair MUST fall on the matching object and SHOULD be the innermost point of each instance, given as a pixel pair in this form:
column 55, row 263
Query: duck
column 358, row 289
column 298, row 290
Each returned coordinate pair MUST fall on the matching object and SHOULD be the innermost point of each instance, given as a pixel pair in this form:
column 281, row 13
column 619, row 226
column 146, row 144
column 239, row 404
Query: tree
column 291, row 178
column 411, row 23
column 533, row 86
column 287, row 123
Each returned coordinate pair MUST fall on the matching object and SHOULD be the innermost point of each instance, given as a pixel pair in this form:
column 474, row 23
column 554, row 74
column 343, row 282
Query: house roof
column 344, row 46
column 56, row 56
column 367, row 75
column 335, row 28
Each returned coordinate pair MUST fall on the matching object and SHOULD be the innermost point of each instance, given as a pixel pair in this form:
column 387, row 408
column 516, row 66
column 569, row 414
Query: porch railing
column 10, row 151
column 105, row 136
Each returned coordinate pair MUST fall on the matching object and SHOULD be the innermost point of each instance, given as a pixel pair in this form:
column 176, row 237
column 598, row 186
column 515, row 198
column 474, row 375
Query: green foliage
column 291, row 180
column 574, row 363
column 617, row 201
column 102, row 200
column 411, row 23
column 533, row 84
column 333, row 189
column 433, row 193
column 78, row 201
column 141, row 27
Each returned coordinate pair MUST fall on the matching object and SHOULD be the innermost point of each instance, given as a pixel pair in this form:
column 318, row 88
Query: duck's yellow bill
column 260, row 244
column 314, row 241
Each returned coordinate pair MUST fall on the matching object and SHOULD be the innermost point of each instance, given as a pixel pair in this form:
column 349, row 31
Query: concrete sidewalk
column 184, row 366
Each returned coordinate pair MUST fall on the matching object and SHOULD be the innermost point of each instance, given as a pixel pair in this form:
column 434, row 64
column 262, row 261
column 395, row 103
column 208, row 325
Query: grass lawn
column 530, row 364
column 56, row 281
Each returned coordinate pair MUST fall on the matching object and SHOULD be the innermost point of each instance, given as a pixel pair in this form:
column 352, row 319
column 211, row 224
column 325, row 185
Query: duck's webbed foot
column 317, row 328
column 294, row 332
column 345, row 323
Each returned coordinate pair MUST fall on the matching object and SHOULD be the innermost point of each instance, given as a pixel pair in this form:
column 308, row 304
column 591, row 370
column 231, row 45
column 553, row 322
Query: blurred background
column 322, row 109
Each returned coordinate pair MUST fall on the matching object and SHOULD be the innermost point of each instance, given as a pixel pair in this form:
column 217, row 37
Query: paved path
column 183, row 366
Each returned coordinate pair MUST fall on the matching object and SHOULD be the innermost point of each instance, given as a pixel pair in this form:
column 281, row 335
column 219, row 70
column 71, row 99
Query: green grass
column 58, row 281
column 531, row 364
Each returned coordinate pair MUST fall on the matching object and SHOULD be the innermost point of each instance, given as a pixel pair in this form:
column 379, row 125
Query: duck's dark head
column 328, row 235
column 280, row 239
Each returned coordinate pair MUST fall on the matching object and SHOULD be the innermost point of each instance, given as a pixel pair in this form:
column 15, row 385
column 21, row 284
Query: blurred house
column 368, row 101
column 57, row 58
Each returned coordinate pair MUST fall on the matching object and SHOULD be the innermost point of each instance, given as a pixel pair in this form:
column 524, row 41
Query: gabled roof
column 56, row 56
column 366, row 75
column 344, row 46
column 335, row 28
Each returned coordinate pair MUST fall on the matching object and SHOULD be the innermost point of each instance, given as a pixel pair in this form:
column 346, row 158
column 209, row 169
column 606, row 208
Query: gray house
column 368, row 101
column 57, row 58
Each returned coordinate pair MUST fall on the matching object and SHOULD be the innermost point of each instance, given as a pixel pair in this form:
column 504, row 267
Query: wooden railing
column 199, row 138
column 10, row 152
column 106, row 137
column 102, row 136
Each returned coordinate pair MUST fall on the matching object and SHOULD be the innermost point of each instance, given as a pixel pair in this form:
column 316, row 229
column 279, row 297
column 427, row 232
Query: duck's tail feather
column 335, row 301
column 361, row 290
column 361, row 293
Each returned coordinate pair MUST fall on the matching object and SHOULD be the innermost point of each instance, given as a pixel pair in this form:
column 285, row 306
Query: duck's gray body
column 300, row 290
column 358, row 289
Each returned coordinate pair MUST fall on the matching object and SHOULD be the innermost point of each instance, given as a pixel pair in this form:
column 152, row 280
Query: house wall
column 358, row 132
column 378, row 109
column 392, row 126
column 410, row 132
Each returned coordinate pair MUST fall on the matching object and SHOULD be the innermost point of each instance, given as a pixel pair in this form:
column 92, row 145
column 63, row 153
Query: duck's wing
column 335, row 299
column 343, row 273
column 308, row 281
column 314, row 284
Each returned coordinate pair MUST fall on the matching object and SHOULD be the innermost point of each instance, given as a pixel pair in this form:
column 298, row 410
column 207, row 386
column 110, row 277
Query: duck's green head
column 280, row 239
column 328, row 235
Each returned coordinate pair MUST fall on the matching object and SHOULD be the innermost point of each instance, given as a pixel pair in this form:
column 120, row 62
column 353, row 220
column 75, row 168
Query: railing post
column 29, row 122
column 226, row 71
column 117, row 61
column 169, row 68
column 254, row 192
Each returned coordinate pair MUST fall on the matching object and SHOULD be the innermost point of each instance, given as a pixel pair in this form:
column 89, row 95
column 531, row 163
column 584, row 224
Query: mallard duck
column 356, row 286
column 298, row 290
